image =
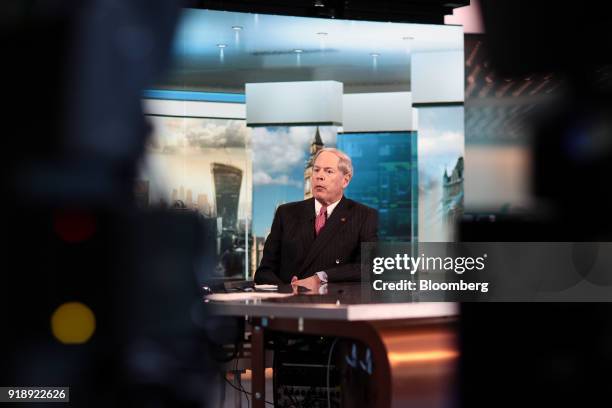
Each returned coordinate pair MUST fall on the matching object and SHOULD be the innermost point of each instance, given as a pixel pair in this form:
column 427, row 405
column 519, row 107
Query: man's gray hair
column 345, row 165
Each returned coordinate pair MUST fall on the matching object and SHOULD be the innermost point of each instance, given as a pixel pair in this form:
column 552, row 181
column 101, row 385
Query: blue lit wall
column 386, row 178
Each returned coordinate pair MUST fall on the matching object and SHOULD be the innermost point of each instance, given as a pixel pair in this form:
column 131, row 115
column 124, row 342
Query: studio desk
column 413, row 346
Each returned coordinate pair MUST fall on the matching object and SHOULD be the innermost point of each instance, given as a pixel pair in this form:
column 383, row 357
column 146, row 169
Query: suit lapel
column 306, row 228
column 334, row 223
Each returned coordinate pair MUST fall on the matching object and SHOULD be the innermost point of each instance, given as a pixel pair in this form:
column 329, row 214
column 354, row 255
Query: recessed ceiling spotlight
column 221, row 45
column 407, row 38
column 322, row 33
column 298, row 51
column 319, row 3
column 374, row 54
column 237, row 28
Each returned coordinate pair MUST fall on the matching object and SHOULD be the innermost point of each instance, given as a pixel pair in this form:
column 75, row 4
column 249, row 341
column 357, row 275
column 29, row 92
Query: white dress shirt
column 330, row 208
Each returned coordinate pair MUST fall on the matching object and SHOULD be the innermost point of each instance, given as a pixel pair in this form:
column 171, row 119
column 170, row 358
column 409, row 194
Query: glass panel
column 385, row 178
column 204, row 166
column 441, row 165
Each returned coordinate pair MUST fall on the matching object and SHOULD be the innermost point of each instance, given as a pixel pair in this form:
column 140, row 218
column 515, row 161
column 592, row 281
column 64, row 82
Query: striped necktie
column 320, row 220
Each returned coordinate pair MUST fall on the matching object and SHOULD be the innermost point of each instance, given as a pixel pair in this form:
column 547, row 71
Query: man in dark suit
column 319, row 240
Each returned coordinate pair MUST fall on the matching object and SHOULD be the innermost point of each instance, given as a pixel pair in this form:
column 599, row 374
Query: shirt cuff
column 323, row 276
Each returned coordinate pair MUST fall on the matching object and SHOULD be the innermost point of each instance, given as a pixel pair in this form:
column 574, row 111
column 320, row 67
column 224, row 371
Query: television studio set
column 307, row 203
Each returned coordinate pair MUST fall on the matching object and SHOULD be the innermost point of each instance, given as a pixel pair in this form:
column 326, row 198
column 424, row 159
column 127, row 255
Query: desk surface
column 344, row 301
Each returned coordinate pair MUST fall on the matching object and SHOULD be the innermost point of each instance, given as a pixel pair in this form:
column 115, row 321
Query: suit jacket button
column 337, row 261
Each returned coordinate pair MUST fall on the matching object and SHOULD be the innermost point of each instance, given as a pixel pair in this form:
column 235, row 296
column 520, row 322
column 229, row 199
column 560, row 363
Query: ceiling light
column 407, row 38
column 221, row 45
column 237, row 28
column 298, row 51
column 319, row 3
column 374, row 54
column 323, row 33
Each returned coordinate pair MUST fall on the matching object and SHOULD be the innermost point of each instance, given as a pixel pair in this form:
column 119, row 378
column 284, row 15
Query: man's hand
column 312, row 283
